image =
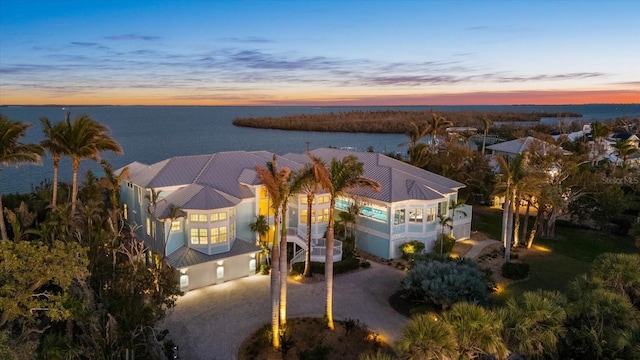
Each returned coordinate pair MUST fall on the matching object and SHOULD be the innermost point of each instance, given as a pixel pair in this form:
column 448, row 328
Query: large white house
column 209, row 239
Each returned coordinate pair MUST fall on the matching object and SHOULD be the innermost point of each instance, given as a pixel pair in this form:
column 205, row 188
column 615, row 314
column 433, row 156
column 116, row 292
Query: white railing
column 319, row 251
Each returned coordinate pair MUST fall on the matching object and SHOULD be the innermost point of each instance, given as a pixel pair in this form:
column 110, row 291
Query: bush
column 443, row 282
column 411, row 248
column 515, row 270
column 340, row 267
column 449, row 242
column 264, row 269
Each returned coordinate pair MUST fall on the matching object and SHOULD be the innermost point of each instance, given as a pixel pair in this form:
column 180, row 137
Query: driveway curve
column 211, row 323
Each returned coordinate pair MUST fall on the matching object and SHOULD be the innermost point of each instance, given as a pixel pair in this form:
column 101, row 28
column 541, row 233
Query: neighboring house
column 209, row 240
column 509, row 149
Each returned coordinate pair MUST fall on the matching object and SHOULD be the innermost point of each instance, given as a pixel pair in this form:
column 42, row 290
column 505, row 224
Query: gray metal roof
column 400, row 181
column 518, row 146
column 185, row 256
column 195, row 197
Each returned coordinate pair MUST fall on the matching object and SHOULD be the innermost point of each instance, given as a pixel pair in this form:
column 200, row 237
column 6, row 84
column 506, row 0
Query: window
column 199, row 236
column 175, row 226
column 198, row 217
column 323, row 199
column 442, row 208
column 303, row 216
column 219, row 235
column 323, row 215
column 219, row 216
column 398, row 217
column 416, row 215
column 431, row 214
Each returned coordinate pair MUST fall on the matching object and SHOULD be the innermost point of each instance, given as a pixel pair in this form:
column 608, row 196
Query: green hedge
column 339, row 267
column 515, row 270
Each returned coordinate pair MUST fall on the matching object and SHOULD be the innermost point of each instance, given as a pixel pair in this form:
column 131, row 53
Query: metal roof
column 521, row 145
column 184, row 256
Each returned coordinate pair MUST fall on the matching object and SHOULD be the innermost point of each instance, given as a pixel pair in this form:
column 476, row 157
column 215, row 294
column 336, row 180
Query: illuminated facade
column 206, row 203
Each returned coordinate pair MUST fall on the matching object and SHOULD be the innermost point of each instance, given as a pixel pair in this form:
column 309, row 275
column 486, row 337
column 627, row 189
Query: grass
column 553, row 262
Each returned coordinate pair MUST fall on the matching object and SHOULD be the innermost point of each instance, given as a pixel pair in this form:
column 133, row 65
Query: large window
column 416, row 215
column 219, row 216
column 398, row 216
column 442, row 208
column 199, row 236
column 198, row 217
column 218, row 235
column 431, row 214
column 323, row 215
column 175, row 226
column 303, row 216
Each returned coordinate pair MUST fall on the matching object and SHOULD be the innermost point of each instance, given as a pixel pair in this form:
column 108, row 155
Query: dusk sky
column 206, row 52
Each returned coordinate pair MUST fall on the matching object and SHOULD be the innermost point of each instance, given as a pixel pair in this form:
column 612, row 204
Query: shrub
column 264, row 269
column 449, row 242
column 442, row 282
column 515, row 270
column 411, row 248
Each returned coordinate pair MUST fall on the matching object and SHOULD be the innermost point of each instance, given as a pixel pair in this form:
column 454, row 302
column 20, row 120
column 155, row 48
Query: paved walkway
column 477, row 246
column 211, row 323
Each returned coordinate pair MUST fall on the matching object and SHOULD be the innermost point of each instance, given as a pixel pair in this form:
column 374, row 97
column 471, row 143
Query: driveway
column 211, row 323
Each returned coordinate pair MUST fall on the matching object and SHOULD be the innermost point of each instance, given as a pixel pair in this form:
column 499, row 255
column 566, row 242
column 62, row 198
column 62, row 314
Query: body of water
column 149, row 134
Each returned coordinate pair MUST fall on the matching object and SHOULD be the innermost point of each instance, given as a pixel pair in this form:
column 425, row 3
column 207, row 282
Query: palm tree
column 418, row 155
column 511, row 173
column 534, row 324
column 111, row 182
column 487, row 124
column 436, row 124
column 445, row 221
column 455, row 206
column 274, row 180
column 315, row 177
column 477, row 330
column 261, row 227
column 598, row 131
column 85, row 139
column 427, row 337
column 624, row 149
column 416, row 132
column 345, row 174
column 15, row 153
column 54, row 142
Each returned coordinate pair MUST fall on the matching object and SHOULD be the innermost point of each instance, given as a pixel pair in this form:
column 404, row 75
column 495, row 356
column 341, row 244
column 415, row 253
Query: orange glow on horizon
column 542, row 97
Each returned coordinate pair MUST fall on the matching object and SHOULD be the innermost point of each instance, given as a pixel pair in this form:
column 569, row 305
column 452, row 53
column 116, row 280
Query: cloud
column 247, row 40
column 133, row 37
column 547, row 77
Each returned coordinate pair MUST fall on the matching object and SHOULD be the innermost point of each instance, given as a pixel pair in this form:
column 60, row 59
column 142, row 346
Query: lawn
column 553, row 262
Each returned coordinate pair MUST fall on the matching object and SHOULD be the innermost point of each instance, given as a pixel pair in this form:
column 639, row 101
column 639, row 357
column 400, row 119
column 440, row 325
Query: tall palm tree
column 511, row 173
column 54, row 142
column 85, row 139
column 274, row 181
column 345, row 174
column 315, row 177
column 477, row 330
column 436, row 124
column 416, row 132
column 15, row 153
column 445, row 222
column 487, row 124
column 455, row 206
column 427, row 337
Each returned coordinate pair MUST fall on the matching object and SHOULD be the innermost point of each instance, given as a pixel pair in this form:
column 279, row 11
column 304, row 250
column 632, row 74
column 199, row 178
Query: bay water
column 149, row 134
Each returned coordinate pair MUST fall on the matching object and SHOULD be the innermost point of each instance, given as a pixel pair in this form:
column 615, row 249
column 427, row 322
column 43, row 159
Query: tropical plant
column 274, row 180
column 85, row 138
column 599, row 131
column 478, row 331
column 487, row 124
column 534, row 323
column 314, row 178
column 427, row 337
column 620, row 273
column 345, row 174
column 54, row 142
column 436, row 124
column 441, row 282
column 15, row 153
column 445, row 222
column 624, row 149
column 261, row 227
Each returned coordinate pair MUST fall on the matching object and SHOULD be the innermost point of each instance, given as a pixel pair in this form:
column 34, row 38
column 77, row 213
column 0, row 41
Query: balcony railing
column 319, row 251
